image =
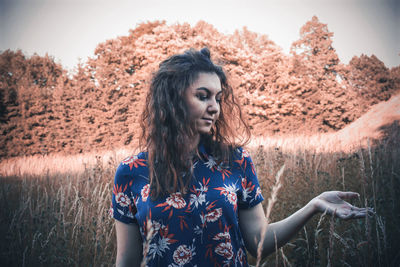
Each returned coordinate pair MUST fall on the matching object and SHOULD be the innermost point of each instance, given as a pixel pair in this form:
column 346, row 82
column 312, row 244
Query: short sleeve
column 123, row 206
column 250, row 188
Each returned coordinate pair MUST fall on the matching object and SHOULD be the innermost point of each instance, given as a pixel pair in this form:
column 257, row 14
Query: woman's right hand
column 333, row 203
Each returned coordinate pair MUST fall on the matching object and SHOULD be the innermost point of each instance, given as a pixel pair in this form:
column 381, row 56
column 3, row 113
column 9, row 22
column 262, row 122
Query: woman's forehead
column 209, row 80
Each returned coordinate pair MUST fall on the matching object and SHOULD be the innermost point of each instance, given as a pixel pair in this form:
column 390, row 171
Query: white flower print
column 197, row 200
column 225, row 250
column 248, row 187
column 245, row 154
column 122, row 199
column 129, row 214
column 125, row 213
column 213, row 215
column 229, row 191
column 156, row 226
column 134, row 161
column 258, row 192
column 211, row 163
column 161, row 241
column 145, row 192
column 182, row 255
column 197, row 197
column 222, row 236
column 176, row 200
column 232, row 198
column 203, row 186
column 129, row 160
column 197, row 230
column 158, row 248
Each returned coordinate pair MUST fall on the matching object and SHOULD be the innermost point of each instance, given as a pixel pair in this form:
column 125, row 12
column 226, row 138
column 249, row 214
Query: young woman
column 192, row 197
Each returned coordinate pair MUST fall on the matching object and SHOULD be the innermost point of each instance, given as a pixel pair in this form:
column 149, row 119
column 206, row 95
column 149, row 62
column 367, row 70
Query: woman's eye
column 202, row 97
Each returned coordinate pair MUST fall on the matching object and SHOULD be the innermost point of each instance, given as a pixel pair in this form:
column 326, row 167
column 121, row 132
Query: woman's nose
column 213, row 106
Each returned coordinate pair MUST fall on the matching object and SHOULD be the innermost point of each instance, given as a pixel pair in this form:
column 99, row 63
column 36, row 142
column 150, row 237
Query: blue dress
column 197, row 229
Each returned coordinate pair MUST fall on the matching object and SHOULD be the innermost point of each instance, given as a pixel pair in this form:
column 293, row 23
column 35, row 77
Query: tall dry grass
column 58, row 219
column 54, row 212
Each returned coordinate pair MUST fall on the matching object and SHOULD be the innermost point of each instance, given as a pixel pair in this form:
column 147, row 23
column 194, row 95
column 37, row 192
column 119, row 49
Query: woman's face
column 203, row 101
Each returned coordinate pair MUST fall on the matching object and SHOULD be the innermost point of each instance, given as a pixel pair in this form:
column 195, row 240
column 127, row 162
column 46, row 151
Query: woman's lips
column 208, row 120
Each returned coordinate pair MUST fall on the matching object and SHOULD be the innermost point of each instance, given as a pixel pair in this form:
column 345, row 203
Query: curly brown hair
column 167, row 129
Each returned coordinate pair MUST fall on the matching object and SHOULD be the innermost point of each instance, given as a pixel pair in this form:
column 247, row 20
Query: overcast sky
column 71, row 29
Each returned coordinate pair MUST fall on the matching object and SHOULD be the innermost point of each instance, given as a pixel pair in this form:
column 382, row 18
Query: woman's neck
column 194, row 144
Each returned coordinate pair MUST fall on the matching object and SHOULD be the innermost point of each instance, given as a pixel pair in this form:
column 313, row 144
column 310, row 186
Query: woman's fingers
column 335, row 204
column 355, row 213
column 348, row 195
column 354, row 208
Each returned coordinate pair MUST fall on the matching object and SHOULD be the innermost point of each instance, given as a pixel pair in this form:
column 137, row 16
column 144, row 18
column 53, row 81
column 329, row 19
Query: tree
column 370, row 78
column 315, row 46
column 317, row 66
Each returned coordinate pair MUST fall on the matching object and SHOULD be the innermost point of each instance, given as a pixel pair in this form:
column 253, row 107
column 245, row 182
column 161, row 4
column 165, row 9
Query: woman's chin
column 204, row 130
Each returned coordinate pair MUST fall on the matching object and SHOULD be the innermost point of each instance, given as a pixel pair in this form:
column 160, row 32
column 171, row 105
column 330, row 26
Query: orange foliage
column 44, row 110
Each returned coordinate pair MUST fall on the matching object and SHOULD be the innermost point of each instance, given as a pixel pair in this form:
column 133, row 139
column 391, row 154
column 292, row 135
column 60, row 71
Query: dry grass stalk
column 271, row 201
column 331, row 241
column 285, row 259
column 146, row 245
column 73, row 204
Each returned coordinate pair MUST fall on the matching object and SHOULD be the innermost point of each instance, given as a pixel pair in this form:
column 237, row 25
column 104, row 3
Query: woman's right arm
column 129, row 244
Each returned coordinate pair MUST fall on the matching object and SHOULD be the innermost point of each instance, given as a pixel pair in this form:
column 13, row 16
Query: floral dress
column 200, row 228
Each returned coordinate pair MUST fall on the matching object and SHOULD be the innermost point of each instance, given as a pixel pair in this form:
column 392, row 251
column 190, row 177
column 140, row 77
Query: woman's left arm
column 253, row 223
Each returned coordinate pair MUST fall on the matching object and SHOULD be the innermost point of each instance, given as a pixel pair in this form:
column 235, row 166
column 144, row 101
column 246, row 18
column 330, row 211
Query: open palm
column 333, row 202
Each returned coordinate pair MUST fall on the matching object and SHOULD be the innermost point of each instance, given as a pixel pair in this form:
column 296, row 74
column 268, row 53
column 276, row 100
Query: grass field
column 54, row 209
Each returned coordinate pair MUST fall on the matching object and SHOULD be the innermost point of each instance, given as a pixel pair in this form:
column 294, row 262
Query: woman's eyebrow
column 204, row 89
column 207, row 90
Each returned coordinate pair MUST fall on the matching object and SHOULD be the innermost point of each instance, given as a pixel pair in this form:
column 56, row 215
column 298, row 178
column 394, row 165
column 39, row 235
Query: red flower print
column 240, row 256
column 253, row 170
column 232, row 197
column 145, row 192
column 182, row 222
column 175, row 200
column 240, row 161
column 164, row 233
column 229, row 191
column 223, row 236
column 248, row 187
column 245, row 154
column 214, row 215
column 134, row 161
column 225, row 250
column 118, row 189
column 211, row 205
column 224, row 173
column 182, row 255
column 203, row 187
column 120, row 197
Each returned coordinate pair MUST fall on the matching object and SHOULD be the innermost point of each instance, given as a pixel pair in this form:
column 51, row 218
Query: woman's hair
column 167, row 129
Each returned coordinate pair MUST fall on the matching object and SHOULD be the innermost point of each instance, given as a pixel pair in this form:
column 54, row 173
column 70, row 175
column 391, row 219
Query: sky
column 69, row 30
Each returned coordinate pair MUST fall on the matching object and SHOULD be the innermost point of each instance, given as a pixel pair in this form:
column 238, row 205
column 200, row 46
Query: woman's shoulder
column 133, row 162
column 240, row 153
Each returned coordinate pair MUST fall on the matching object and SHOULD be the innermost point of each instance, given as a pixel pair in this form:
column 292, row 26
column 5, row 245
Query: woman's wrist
column 313, row 206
